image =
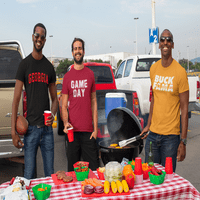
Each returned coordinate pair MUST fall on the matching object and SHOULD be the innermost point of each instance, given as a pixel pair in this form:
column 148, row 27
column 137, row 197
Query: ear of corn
column 120, row 187
column 113, row 187
column 106, row 187
column 125, row 185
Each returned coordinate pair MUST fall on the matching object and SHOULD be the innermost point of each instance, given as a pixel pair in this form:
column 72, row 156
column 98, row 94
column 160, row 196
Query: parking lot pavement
column 9, row 169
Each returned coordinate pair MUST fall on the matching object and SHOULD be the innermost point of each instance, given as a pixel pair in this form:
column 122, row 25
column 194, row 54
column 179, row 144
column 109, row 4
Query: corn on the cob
column 125, row 185
column 106, row 187
column 113, row 187
column 120, row 187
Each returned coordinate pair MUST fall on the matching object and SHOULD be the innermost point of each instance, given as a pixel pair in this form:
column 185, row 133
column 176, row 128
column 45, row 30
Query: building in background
column 112, row 58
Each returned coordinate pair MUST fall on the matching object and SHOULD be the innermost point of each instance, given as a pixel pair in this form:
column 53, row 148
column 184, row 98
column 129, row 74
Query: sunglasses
column 169, row 39
column 37, row 35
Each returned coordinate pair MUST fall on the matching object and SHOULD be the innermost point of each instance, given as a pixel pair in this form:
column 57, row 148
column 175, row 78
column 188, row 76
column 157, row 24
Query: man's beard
column 78, row 61
column 40, row 49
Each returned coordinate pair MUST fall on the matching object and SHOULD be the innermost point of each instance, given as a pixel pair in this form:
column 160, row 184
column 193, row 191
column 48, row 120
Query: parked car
column 11, row 54
column 133, row 75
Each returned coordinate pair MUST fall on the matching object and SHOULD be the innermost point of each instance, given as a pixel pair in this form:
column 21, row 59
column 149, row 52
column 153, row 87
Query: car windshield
column 145, row 64
column 9, row 62
column 102, row 74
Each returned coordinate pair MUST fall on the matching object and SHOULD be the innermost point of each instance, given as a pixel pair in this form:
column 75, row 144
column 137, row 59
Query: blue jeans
column 162, row 146
column 34, row 138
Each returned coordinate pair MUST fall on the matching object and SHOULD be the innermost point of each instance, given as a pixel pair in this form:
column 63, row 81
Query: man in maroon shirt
column 79, row 110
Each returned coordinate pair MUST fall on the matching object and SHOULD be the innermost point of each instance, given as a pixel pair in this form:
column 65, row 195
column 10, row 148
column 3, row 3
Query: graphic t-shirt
column 36, row 76
column 167, row 83
column 79, row 84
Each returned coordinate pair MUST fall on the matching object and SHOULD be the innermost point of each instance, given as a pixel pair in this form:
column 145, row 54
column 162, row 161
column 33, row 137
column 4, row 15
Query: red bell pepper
column 130, row 180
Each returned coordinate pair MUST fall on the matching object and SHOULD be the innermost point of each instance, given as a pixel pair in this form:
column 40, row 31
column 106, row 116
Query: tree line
column 64, row 65
column 194, row 67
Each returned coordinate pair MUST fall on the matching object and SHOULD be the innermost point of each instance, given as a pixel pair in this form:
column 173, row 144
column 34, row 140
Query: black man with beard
column 38, row 77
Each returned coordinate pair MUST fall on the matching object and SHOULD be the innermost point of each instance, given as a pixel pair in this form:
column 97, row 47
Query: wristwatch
column 184, row 141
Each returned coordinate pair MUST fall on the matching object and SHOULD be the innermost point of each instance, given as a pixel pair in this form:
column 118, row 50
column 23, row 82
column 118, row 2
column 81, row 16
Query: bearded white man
column 79, row 110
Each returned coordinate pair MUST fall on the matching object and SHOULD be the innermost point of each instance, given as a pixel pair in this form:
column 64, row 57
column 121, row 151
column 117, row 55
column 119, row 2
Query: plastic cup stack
column 168, row 168
column 138, row 171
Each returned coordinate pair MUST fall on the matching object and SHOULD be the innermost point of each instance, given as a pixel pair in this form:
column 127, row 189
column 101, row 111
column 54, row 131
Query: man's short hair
column 80, row 40
column 169, row 32
column 40, row 25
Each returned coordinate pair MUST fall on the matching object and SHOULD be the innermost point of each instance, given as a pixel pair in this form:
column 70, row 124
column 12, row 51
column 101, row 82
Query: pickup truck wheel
column 60, row 124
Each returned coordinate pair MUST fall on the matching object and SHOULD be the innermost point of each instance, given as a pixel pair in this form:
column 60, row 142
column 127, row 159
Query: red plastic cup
column 47, row 113
column 168, row 165
column 70, row 134
column 138, row 166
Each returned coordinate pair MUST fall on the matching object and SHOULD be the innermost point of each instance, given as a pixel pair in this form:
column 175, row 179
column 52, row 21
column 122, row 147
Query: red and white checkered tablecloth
column 177, row 188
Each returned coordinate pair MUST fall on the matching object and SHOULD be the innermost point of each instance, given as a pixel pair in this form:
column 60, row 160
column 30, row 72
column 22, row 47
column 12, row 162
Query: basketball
column 21, row 125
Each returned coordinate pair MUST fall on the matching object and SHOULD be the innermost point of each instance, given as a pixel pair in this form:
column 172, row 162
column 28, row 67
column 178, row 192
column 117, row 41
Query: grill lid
column 122, row 124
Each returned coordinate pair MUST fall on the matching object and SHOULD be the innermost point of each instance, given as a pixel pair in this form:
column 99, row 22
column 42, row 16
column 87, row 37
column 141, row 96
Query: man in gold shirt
column 170, row 96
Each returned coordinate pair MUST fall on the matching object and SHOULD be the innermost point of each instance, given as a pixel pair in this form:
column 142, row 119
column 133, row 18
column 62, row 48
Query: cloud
column 169, row 7
column 27, row 1
column 136, row 7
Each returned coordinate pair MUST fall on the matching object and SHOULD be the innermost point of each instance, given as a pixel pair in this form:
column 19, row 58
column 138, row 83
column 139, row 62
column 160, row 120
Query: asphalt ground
column 188, row 169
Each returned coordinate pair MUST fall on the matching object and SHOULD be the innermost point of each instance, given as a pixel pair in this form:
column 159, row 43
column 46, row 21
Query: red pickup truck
column 105, row 83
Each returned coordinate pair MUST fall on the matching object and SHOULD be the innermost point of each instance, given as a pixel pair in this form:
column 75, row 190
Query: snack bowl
column 83, row 163
column 81, row 176
column 42, row 191
column 157, row 180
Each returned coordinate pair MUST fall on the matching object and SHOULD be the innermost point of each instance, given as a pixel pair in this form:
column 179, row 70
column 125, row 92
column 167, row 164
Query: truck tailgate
column 192, row 80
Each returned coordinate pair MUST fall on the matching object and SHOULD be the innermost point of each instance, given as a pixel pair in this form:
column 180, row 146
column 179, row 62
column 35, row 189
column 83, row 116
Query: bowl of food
column 81, row 173
column 157, row 179
column 42, row 191
column 113, row 171
column 100, row 172
column 81, row 164
column 146, row 169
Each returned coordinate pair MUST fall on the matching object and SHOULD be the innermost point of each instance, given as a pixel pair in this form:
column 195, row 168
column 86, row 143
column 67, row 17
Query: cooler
column 114, row 100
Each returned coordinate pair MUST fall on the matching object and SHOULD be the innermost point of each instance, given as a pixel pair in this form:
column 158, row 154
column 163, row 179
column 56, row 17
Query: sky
column 106, row 26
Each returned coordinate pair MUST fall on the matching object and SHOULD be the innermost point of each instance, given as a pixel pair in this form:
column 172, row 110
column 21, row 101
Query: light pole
column 136, row 18
column 51, row 47
column 188, row 67
column 153, row 24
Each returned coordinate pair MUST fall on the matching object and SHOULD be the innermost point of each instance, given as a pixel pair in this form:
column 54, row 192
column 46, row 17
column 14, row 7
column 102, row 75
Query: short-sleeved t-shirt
column 167, row 83
column 36, row 76
column 79, row 84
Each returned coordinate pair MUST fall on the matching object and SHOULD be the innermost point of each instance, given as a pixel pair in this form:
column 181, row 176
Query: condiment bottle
column 150, row 156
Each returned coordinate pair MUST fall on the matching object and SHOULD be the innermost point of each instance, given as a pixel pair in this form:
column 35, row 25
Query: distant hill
column 195, row 60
